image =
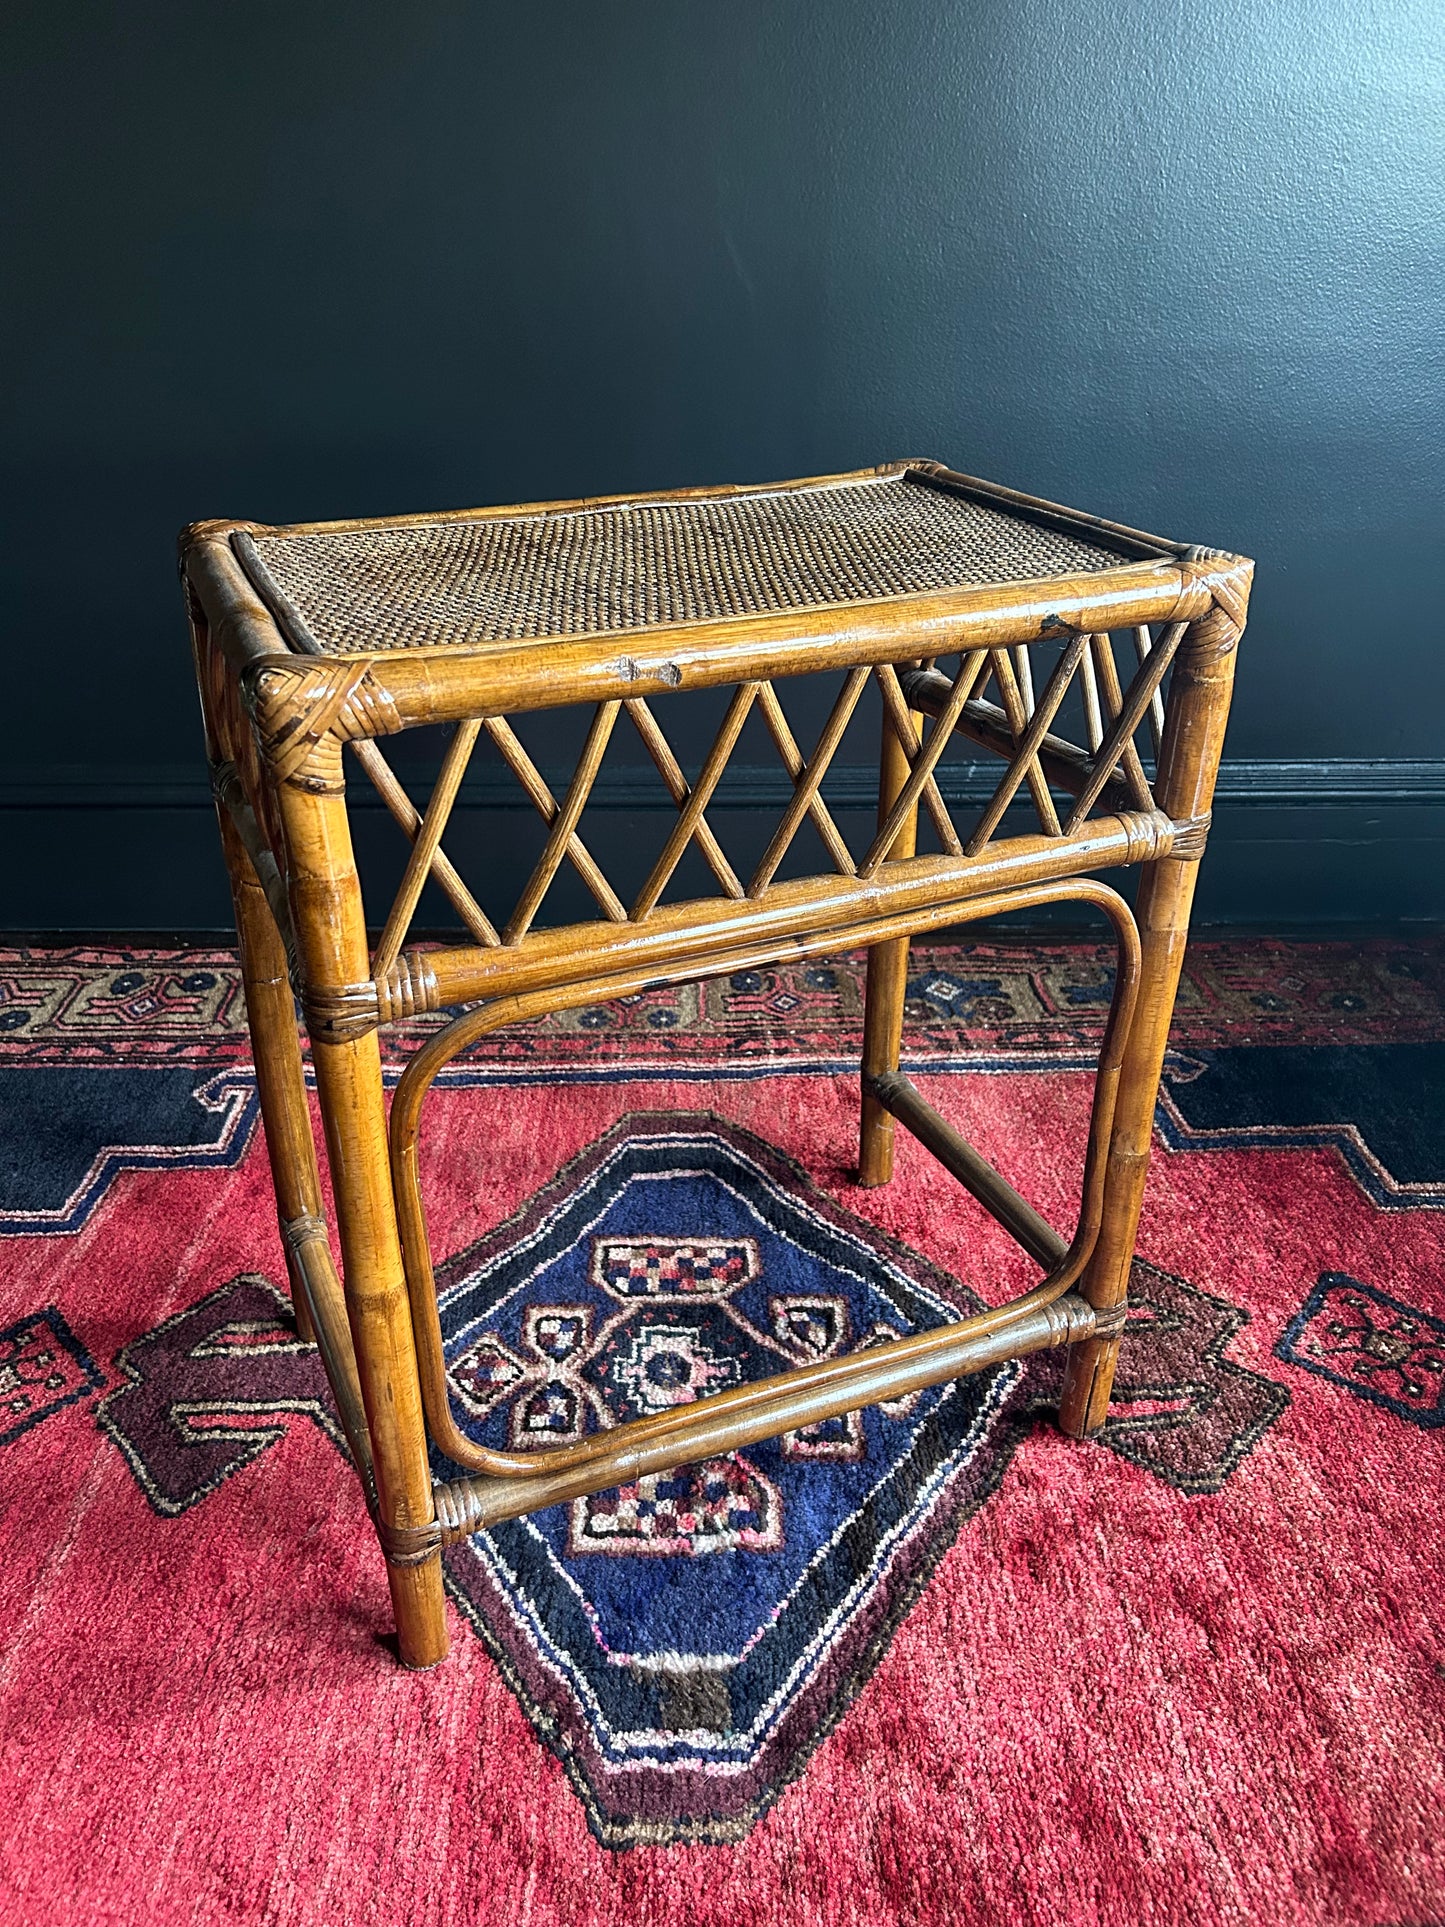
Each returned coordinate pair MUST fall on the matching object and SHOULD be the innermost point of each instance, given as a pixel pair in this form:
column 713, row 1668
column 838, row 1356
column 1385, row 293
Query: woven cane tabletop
column 635, row 565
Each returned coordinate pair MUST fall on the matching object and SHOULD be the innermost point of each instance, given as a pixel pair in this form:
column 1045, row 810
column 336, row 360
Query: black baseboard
column 1319, row 846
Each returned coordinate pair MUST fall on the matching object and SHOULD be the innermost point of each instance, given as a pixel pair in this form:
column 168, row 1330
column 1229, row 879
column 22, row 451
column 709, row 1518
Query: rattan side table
column 981, row 615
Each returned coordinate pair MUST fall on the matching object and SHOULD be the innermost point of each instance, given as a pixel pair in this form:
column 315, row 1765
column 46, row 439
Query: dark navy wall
column 1177, row 263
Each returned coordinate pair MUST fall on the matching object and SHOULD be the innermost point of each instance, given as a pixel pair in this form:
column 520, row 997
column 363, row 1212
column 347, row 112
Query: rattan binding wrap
column 637, row 565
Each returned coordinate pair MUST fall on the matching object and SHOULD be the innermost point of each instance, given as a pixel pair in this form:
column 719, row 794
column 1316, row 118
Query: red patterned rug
column 933, row 1663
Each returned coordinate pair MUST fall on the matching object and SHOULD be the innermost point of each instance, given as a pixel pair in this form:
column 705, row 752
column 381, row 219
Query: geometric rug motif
column 66, row 1132
column 43, row 1368
column 204, row 1394
column 684, row 1643
column 1374, row 1346
column 1179, row 1408
column 95, row 1003
column 208, row 1390
column 1381, row 1106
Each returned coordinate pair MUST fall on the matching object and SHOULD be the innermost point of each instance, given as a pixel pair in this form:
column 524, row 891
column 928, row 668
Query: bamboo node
column 408, row 988
column 339, row 1013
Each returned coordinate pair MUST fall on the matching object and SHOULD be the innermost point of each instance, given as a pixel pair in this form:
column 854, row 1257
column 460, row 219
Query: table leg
column 1184, row 788
column 326, row 909
column 883, row 996
column 280, row 1078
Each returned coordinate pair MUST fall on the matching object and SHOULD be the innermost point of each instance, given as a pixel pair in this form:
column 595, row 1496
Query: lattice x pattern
column 988, row 699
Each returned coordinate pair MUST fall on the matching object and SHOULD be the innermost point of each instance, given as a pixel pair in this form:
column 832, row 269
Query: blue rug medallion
column 686, row 1641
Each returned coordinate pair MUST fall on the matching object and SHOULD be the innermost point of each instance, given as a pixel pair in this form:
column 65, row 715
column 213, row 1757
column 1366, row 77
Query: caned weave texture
column 636, row 565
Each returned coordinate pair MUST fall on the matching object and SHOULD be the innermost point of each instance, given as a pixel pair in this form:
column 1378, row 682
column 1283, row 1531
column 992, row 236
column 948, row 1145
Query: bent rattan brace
column 512, row 1482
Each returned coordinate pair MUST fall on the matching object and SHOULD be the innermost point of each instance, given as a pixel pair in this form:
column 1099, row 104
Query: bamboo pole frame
column 277, row 716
